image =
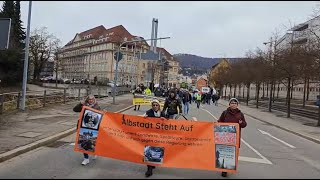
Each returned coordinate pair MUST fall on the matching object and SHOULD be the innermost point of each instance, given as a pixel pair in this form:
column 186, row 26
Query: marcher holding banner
column 154, row 112
column 137, row 91
column 92, row 103
column 233, row 115
column 155, row 142
column 172, row 104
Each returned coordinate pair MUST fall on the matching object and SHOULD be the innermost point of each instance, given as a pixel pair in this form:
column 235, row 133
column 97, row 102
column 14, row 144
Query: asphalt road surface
column 266, row 152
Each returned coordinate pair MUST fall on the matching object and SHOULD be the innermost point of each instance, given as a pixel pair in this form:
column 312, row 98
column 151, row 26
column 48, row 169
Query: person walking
column 233, row 115
column 137, row 91
column 147, row 92
column 171, row 105
column 154, row 112
column 198, row 99
column 91, row 102
column 186, row 100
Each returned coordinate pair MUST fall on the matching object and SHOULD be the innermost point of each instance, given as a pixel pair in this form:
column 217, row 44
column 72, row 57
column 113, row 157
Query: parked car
column 66, row 81
column 112, row 84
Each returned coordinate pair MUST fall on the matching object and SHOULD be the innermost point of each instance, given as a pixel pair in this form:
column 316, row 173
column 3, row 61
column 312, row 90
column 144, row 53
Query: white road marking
column 254, row 160
column 254, row 150
column 72, row 144
column 194, row 118
column 283, row 142
column 210, row 114
column 248, row 159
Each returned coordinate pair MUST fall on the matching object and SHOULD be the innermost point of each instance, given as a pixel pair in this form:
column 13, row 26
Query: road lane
column 279, row 154
column 60, row 161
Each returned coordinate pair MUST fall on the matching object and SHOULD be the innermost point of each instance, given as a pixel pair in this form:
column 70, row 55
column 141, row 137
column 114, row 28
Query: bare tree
column 42, row 48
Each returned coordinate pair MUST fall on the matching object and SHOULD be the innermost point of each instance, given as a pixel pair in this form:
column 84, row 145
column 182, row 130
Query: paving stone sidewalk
column 27, row 127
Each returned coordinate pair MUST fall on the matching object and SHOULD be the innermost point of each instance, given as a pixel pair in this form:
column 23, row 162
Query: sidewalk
column 24, row 131
column 295, row 124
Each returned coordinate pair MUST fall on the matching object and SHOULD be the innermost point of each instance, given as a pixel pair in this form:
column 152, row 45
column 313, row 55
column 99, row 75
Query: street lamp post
column 134, row 57
column 25, row 65
column 117, row 63
column 272, row 78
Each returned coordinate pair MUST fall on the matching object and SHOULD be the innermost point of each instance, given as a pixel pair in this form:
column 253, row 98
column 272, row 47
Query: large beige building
column 91, row 54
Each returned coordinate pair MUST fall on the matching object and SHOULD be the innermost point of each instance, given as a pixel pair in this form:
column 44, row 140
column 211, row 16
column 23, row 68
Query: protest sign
column 140, row 99
column 157, row 142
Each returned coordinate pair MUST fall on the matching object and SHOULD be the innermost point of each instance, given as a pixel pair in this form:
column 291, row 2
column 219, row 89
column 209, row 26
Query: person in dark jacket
column 171, row 104
column 154, row 112
column 158, row 92
column 91, row 102
column 186, row 99
column 233, row 115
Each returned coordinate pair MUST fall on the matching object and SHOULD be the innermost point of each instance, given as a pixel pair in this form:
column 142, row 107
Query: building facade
column 223, row 65
column 90, row 54
column 201, row 82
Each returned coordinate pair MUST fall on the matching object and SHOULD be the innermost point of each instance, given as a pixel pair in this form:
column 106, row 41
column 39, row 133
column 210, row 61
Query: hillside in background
column 192, row 64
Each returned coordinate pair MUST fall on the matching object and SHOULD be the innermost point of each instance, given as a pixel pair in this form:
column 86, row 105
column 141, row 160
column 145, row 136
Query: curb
column 315, row 140
column 42, row 142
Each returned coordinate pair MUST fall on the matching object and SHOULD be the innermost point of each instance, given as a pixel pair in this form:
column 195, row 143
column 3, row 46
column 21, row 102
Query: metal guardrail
column 10, row 102
column 293, row 110
column 308, row 112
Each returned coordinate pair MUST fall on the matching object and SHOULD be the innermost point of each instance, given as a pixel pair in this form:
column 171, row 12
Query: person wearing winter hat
column 154, row 112
column 233, row 115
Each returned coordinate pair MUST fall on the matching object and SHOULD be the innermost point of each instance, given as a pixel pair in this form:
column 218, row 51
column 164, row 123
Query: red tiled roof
column 96, row 31
column 164, row 52
column 116, row 34
column 142, row 42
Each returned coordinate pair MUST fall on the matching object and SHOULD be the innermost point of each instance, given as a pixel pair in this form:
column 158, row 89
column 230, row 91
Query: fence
column 10, row 102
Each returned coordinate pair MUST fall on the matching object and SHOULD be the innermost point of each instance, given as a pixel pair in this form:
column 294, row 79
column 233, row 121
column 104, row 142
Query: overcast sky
column 209, row 29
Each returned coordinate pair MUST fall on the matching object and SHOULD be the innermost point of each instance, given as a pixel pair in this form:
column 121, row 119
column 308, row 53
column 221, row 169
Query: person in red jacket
column 233, row 115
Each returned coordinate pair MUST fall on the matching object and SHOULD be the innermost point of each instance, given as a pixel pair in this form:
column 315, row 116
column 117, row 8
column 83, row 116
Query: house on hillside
column 202, row 81
column 216, row 69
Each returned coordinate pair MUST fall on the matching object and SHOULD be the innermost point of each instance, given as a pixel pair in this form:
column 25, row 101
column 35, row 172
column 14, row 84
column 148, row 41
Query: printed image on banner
column 87, row 139
column 91, row 119
column 225, row 134
column 225, row 157
column 153, row 154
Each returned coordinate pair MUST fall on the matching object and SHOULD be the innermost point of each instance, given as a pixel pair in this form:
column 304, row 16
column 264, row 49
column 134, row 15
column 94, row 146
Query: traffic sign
column 118, row 56
column 5, row 24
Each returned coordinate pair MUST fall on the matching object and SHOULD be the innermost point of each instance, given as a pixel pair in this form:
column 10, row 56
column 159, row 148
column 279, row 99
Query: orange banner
column 153, row 141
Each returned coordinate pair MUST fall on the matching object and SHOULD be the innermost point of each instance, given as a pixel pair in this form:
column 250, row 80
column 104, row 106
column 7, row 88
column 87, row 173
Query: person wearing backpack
column 233, row 115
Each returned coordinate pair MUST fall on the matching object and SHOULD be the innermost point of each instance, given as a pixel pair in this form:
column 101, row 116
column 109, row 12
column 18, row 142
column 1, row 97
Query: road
column 266, row 152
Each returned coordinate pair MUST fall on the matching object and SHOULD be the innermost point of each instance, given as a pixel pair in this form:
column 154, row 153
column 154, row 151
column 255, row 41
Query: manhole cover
column 29, row 134
column 56, row 144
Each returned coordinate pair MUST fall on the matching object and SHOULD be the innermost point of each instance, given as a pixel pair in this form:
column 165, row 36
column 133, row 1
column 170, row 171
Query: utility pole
column 132, row 63
column 25, row 65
